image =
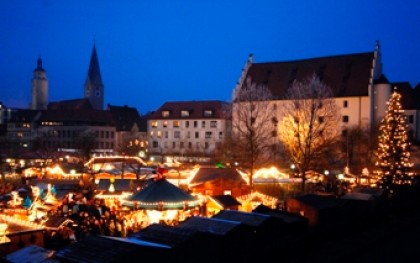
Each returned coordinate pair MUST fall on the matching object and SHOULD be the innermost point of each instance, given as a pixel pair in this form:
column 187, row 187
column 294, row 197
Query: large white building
column 187, row 131
column 360, row 88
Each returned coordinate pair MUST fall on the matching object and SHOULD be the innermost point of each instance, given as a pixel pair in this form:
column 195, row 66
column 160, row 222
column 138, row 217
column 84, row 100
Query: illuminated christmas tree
column 393, row 148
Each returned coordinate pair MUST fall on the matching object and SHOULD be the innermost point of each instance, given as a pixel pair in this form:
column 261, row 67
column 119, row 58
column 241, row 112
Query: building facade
column 188, row 131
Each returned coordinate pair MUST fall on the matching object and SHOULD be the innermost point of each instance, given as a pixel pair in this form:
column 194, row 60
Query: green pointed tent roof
column 160, row 194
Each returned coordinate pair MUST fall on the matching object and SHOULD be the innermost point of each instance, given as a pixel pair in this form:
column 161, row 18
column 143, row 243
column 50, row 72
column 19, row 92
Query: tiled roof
column 409, row 100
column 23, row 115
column 209, row 174
column 196, row 109
column 92, row 116
column 347, row 75
column 74, row 104
column 125, row 117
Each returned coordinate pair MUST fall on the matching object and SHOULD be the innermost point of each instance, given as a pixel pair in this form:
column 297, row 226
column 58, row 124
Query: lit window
column 176, row 124
column 208, row 113
column 154, row 124
column 185, row 113
column 166, row 113
column 165, row 124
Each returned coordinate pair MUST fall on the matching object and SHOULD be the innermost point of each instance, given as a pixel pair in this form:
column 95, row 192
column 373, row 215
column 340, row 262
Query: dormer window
column 166, row 113
column 208, row 113
column 185, row 113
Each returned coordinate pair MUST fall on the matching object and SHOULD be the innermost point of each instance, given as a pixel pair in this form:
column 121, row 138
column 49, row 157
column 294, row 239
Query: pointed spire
column 94, row 88
column 94, row 73
column 39, row 64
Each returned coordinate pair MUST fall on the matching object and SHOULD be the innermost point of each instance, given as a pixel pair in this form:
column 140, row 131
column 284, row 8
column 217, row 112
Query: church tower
column 39, row 88
column 94, row 88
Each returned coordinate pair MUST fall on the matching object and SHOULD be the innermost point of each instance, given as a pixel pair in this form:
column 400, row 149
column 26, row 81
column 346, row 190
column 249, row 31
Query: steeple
column 39, row 87
column 94, row 88
column 39, row 64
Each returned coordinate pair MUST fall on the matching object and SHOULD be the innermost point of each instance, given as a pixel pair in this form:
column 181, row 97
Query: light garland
column 393, row 155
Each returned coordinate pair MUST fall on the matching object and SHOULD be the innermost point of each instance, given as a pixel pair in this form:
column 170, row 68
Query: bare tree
column 309, row 127
column 86, row 143
column 252, row 128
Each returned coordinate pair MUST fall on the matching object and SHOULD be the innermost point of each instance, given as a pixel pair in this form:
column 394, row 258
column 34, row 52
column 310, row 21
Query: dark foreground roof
column 163, row 234
column 100, row 249
column 251, row 219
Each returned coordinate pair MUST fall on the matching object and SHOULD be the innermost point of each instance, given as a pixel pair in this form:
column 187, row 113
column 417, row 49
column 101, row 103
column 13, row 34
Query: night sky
column 151, row 52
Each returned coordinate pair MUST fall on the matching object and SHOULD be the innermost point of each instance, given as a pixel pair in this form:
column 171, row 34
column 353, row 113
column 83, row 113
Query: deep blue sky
column 151, row 52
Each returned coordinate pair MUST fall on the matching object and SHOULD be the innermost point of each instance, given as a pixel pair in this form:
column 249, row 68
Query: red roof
column 196, row 109
column 346, row 75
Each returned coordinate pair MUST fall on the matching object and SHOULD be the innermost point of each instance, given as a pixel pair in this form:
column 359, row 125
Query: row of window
column 346, row 119
column 187, row 135
column 182, row 145
column 72, row 144
column 187, row 124
column 186, row 113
